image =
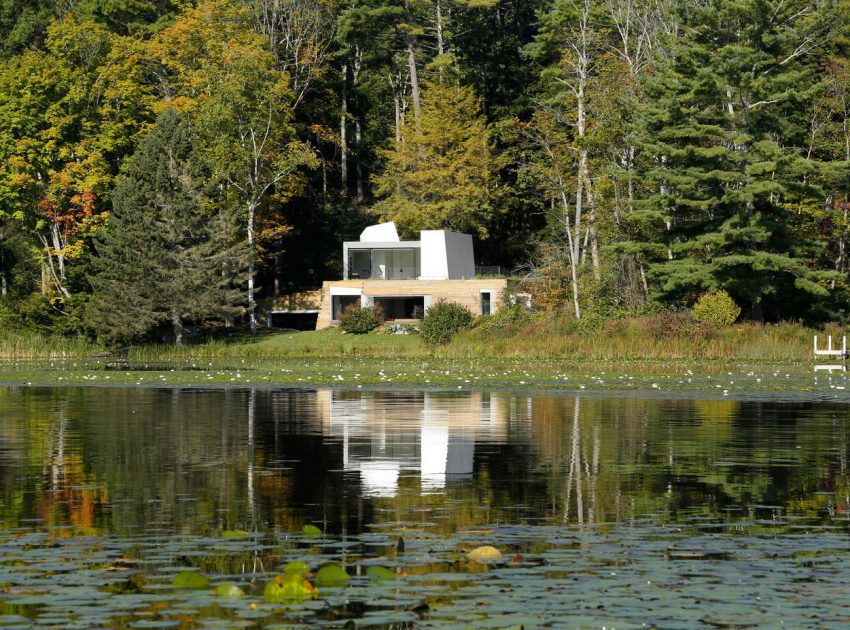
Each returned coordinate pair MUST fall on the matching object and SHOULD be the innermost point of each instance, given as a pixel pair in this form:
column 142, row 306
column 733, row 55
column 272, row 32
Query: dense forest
column 167, row 162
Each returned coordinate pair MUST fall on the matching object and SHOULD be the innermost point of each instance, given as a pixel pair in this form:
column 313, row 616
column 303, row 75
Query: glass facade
column 384, row 264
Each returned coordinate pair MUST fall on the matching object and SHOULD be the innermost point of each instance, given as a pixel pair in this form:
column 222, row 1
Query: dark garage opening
column 294, row 321
column 401, row 307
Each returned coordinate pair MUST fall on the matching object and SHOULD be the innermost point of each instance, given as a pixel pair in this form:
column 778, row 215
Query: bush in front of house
column 359, row 320
column 716, row 309
column 443, row 321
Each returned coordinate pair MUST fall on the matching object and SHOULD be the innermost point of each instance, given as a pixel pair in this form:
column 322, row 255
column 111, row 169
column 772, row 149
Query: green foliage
column 507, row 317
column 359, row 320
column 443, row 172
column 725, row 196
column 442, row 322
column 188, row 267
column 23, row 24
column 716, row 309
column 670, row 324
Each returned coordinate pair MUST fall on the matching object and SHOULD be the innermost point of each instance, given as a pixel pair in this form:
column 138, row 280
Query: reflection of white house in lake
column 434, row 434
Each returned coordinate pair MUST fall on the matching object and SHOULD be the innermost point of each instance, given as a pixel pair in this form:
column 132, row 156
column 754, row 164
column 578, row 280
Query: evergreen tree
column 168, row 255
column 442, row 174
column 23, row 24
column 724, row 173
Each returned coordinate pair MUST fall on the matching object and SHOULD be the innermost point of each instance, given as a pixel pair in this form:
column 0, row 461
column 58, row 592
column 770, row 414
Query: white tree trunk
column 252, row 306
column 343, row 133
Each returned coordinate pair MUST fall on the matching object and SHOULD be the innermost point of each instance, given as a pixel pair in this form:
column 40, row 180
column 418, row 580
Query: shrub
column 669, row 324
column 716, row 309
column 508, row 318
column 360, row 320
column 443, row 321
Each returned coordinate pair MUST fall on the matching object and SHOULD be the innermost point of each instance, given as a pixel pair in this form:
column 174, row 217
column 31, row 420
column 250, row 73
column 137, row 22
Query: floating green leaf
column 331, row 575
column 235, row 534
column 311, row 531
column 288, row 587
column 380, row 574
column 190, row 580
column 228, row 591
column 297, row 567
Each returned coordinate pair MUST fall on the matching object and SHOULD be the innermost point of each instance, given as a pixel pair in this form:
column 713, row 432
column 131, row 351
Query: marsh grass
column 639, row 339
column 35, row 346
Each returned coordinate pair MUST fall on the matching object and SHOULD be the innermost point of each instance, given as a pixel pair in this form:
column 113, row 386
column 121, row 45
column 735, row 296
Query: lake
column 611, row 510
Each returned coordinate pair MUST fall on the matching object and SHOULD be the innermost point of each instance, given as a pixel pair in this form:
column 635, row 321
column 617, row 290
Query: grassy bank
column 616, row 340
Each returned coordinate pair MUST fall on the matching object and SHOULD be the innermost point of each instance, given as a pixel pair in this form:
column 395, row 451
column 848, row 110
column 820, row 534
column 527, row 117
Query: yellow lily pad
column 484, row 553
column 288, row 587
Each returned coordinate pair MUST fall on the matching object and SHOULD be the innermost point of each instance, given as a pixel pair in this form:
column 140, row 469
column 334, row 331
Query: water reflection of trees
column 622, row 459
column 194, row 461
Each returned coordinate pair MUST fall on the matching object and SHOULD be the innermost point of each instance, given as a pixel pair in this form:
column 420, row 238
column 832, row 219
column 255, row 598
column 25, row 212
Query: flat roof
column 381, row 244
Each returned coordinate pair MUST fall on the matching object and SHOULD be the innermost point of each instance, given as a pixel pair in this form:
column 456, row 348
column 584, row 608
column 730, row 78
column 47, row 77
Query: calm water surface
column 622, row 511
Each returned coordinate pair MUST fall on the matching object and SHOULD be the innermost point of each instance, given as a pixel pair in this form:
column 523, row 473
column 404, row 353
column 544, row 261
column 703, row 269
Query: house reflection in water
column 389, row 435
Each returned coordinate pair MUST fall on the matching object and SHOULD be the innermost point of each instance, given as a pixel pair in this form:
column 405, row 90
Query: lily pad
column 331, row 575
column 311, row 531
column 297, row 567
column 235, row 534
column 380, row 574
column 484, row 553
column 287, row 588
column 228, row 591
column 190, row 580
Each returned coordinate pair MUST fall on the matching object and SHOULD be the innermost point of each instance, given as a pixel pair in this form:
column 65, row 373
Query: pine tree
column 443, row 173
column 724, row 172
column 168, row 255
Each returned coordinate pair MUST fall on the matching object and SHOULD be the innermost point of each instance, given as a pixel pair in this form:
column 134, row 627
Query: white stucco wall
column 447, row 256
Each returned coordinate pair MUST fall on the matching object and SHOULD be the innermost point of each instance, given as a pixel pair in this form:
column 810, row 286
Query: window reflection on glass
column 384, row 264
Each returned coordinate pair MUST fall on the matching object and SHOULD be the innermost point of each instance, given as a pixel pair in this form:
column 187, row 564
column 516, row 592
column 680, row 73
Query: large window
column 384, row 264
column 401, row 307
column 341, row 302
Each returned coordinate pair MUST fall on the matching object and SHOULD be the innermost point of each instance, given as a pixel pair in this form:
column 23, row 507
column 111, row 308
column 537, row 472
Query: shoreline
column 647, row 379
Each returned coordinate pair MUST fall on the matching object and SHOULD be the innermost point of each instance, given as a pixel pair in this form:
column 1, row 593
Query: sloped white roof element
column 381, row 233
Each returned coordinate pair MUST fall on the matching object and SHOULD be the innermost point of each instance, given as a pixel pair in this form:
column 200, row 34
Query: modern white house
column 381, row 255
column 405, row 277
